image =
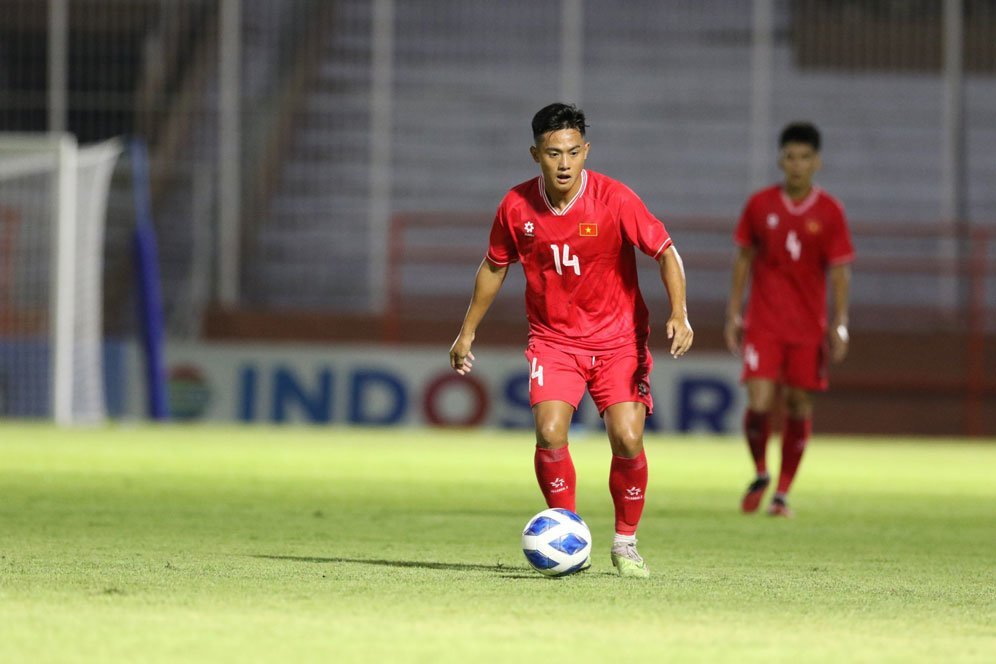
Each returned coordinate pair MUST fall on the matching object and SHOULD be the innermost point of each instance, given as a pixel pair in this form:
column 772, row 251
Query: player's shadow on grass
column 457, row 567
column 505, row 571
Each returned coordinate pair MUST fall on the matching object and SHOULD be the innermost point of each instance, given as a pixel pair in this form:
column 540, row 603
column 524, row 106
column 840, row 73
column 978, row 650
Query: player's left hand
column 733, row 333
column 679, row 331
column 839, row 339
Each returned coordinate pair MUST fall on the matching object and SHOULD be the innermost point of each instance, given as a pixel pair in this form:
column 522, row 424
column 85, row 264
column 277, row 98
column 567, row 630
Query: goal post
column 53, row 202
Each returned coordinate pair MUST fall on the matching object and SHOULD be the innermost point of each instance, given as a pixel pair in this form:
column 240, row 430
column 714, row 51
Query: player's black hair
column 558, row 116
column 800, row 132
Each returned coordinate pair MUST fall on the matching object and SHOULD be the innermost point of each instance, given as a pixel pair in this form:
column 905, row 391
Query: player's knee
column 550, row 435
column 798, row 404
column 627, row 443
column 759, row 405
column 760, row 396
column 800, row 412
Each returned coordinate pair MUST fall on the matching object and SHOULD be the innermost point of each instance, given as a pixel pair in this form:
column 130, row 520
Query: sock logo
column 634, row 493
column 558, row 485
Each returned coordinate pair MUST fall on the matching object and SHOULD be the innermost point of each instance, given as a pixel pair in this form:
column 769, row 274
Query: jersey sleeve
column 840, row 249
column 640, row 227
column 743, row 235
column 501, row 246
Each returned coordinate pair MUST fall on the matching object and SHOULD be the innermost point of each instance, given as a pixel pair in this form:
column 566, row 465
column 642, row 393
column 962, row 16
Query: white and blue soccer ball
column 556, row 542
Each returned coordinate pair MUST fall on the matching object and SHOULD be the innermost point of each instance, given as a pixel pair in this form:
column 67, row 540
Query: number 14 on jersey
column 562, row 259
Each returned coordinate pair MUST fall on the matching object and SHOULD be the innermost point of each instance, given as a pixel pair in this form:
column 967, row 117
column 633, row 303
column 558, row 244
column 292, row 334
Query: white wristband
column 842, row 333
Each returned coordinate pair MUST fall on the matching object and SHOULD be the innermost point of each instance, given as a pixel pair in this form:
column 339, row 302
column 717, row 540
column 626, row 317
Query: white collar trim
column 804, row 204
column 560, row 213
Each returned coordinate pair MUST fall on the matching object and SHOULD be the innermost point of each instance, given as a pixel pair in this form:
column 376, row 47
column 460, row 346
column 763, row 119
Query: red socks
column 757, row 428
column 556, row 477
column 628, row 484
column 795, row 435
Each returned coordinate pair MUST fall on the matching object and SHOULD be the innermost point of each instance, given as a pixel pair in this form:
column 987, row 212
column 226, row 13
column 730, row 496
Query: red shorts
column 799, row 365
column 617, row 377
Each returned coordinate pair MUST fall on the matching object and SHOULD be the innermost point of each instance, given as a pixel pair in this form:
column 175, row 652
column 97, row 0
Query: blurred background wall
column 326, row 170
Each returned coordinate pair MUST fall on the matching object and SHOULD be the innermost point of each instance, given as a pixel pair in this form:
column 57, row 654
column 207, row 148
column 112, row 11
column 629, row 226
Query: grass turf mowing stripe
column 219, row 543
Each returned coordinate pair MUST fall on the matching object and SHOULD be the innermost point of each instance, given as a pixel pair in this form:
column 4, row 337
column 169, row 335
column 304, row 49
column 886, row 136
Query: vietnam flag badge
column 589, row 230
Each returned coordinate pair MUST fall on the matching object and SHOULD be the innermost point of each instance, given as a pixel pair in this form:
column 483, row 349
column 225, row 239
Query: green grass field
column 337, row 545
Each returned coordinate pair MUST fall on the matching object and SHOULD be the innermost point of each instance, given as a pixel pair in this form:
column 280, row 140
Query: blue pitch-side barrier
column 389, row 386
column 25, row 377
column 150, row 308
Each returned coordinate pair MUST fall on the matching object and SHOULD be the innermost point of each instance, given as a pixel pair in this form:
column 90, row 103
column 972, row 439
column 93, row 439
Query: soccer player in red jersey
column 790, row 236
column 575, row 231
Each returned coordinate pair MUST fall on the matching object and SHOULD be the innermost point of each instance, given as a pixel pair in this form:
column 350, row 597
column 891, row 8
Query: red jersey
column 794, row 243
column 581, row 284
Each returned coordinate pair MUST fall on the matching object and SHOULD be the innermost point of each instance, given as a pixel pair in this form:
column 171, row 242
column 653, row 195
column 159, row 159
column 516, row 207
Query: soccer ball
column 556, row 542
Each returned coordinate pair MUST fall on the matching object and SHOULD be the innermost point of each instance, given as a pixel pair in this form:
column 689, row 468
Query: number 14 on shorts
column 536, row 372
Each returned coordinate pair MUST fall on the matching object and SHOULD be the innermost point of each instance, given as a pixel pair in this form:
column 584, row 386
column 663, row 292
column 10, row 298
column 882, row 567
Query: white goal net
column 53, row 199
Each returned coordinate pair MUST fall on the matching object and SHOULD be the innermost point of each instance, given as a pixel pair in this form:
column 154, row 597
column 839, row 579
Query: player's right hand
column 680, row 332
column 460, row 355
column 733, row 333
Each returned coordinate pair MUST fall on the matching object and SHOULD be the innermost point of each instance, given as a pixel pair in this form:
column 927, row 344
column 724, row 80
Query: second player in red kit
column 576, row 233
column 791, row 236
